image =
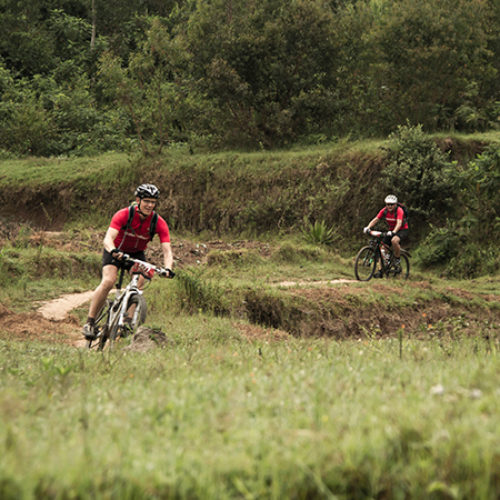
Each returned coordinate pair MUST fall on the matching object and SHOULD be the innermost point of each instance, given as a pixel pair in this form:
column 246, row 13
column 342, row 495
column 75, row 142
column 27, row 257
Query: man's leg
column 396, row 247
column 109, row 274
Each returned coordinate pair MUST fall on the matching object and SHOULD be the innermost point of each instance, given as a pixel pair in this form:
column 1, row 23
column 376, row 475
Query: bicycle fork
column 125, row 304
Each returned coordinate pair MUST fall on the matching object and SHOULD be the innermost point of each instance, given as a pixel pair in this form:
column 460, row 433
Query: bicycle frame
column 385, row 263
column 114, row 313
column 120, row 304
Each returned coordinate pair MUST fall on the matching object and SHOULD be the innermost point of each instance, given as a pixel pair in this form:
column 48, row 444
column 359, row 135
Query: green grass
column 220, row 413
column 30, row 274
column 491, row 136
column 216, row 416
column 40, row 171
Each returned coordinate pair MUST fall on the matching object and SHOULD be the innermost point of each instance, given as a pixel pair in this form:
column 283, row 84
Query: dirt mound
column 146, row 339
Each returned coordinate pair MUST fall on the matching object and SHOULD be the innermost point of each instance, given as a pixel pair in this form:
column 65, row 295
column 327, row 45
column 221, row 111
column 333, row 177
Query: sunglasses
column 390, row 204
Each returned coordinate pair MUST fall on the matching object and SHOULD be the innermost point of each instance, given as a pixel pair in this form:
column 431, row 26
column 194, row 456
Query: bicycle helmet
column 390, row 198
column 147, row 191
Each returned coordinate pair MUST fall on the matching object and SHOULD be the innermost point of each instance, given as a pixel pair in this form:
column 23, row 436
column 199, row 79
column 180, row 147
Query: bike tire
column 100, row 326
column 110, row 331
column 141, row 310
column 365, row 263
column 103, row 338
column 114, row 331
column 405, row 269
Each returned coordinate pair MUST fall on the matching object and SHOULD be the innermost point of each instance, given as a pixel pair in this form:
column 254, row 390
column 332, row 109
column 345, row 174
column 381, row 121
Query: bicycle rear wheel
column 364, row 266
column 403, row 272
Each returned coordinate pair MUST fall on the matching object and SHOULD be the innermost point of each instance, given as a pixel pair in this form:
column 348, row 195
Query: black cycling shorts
column 108, row 259
column 403, row 236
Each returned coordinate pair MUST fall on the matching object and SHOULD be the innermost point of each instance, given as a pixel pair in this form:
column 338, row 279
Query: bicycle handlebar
column 377, row 234
column 167, row 273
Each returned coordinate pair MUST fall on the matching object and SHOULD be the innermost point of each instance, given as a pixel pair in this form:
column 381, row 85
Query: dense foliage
column 85, row 76
column 468, row 244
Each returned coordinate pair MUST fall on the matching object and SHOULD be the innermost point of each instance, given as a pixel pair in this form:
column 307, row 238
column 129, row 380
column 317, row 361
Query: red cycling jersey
column 391, row 218
column 136, row 238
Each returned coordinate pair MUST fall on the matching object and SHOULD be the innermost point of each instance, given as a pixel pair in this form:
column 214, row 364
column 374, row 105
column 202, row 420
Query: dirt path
column 58, row 309
column 287, row 284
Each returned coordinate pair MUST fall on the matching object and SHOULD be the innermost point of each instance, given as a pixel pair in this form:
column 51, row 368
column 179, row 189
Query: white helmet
column 147, row 191
column 390, row 198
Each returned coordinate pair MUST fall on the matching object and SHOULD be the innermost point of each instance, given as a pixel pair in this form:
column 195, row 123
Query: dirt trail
column 58, row 309
column 287, row 284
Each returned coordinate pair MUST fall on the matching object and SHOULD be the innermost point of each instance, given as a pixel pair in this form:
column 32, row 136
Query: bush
column 293, row 254
column 477, row 188
column 195, row 294
column 418, row 172
column 440, row 245
column 468, row 246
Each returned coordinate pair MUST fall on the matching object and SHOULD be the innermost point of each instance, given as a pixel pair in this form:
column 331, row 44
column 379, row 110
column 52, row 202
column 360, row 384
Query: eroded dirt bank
column 334, row 312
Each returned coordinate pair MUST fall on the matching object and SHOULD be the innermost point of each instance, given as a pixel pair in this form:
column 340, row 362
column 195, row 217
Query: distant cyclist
column 398, row 226
column 130, row 231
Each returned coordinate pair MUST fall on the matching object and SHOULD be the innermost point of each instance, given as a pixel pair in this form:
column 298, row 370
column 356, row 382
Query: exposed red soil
column 256, row 332
column 33, row 326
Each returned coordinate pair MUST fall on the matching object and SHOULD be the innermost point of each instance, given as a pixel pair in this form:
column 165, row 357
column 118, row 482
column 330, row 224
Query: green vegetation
column 216, row 416
column 280, row 379
column 43, row 171
column 265, row 389
column 325, row 194
column 80, row 77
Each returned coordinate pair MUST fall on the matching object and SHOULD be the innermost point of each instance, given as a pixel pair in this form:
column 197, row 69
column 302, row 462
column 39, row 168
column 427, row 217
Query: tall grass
column 217, row 416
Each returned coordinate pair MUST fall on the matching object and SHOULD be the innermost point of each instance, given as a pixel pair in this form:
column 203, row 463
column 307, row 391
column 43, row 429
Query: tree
column 267, row 66
column 430, row 56
column 148, row 88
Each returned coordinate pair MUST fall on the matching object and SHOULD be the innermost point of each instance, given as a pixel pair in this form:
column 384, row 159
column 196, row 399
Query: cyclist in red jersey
column 132, row 239
column 398, row 226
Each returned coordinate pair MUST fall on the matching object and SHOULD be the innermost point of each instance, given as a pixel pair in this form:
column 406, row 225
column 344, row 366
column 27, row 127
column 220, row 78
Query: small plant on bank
column 319, row 233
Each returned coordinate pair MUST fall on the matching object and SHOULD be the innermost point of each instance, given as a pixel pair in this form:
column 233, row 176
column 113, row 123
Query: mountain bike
column 122, row 316
column 378, row 251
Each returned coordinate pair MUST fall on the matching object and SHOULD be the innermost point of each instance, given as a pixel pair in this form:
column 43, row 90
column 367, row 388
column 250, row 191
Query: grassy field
column 281, row 377
column 232, row 408
column 215, row 415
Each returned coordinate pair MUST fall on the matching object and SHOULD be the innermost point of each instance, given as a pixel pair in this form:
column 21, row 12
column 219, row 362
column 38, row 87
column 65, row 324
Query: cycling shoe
column 89, row 331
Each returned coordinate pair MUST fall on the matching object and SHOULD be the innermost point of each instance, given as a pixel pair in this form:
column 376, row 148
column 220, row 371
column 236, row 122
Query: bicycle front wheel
column 364, row 266
column 100, row 327
column 137, row 310
column 110, row 331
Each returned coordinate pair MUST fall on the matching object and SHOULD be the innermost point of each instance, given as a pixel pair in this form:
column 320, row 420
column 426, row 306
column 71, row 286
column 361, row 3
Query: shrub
column 293, row 254
column 418, row 173
column 198, row 295
column 468, row 246
column 440, row 245
column 239, row 257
